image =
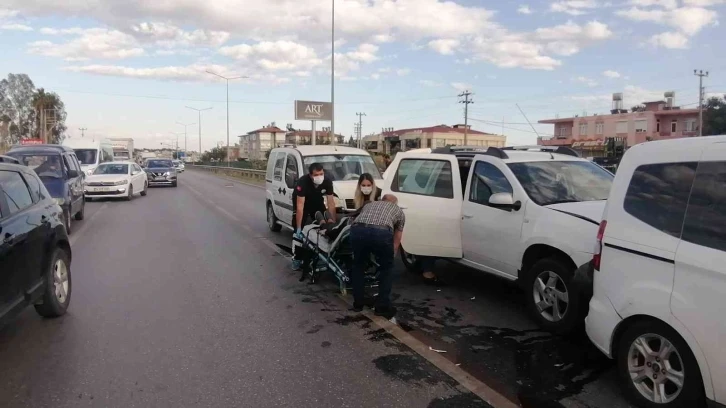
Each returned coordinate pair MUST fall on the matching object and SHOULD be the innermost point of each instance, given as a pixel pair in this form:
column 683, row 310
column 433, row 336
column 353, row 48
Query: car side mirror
column 133, row 173
column 504, row 201
column 73, row 173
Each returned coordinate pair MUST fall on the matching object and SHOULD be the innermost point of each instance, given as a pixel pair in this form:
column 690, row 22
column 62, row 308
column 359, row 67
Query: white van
column 90, row 152
column 342, row 164
column 659, row 281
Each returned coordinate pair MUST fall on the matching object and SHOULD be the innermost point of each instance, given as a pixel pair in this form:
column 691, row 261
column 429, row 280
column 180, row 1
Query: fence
column 248, row 175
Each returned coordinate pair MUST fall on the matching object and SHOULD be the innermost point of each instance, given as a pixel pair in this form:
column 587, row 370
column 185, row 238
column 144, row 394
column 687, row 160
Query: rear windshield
column 344, row 166
column 86, row 156
column 112, row 169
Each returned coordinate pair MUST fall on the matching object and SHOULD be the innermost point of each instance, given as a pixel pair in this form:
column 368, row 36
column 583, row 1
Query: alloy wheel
column 550, row 296
column 60, row 281
column 656, row 368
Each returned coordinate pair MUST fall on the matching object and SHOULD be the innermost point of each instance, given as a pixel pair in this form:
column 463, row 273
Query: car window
column 658, row 194
column 15, row 190
column 705, row 222
column 487, row 180
column 279, row 163
column 45, row 165
column 344, row 166
column 137, row 168
column 567, row 181
column 35, row 191
column 74, row 162
column 107, row 155
column 67, row 163
column 271, row 165
column 291, row 171
column 425, row 177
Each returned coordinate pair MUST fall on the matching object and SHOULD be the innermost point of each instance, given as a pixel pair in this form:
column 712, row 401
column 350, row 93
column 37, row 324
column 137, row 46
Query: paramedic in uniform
column 309, row 197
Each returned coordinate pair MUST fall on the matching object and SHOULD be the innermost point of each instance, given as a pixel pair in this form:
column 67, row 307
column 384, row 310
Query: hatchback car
column 35, row 254
column 60, row 171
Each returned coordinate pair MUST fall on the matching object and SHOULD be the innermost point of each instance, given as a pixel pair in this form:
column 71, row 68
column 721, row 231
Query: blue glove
column 299, row 234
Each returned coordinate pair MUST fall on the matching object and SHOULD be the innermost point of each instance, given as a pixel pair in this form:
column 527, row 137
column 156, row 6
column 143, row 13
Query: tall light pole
column 332, row 75
column 199, row 111
column 176, row 149
column 83, row 131
column 227, row 79
column 185, row 137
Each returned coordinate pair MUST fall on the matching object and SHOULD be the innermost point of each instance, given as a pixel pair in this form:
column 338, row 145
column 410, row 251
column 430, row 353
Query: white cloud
column 460, row 86
column 427, row 82
column 632, row 95
column 191, row 73
column 670, row 39
column 611, row 74
column 444, row 46
column 703, row 3
column 573, row 7
column 403, row 71
column 669, row 4
column 524, row 9
column 688, row 20
column 274, row 56
column 89, row 44
column 15, row 27
column 383, row 38
column 170, row 36
column 585, row 80
column 375, row 76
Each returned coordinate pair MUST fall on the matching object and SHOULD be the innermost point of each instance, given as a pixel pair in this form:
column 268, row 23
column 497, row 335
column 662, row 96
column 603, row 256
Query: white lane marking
column 77, row 234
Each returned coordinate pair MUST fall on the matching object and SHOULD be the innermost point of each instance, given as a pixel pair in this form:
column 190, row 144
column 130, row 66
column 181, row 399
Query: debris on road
column 438, row 351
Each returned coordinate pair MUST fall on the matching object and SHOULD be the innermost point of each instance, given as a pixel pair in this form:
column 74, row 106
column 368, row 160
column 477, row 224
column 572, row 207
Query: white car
column 178, row 165
column 116, row 179
column 524, row 214
column 660, row 275
column 342, row 164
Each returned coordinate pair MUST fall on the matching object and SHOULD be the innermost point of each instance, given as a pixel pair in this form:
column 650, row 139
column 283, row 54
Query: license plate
column 104, row 189
column 159, row 178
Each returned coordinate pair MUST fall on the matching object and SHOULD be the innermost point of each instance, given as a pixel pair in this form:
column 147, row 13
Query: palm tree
column 43, row 100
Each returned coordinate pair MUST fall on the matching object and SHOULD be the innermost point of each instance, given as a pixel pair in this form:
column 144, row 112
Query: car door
column 136, row 177
column 75, row 184
column 290, row 179
column 277, row 188
column 490, row 236
column 19, row 255
column 700, row 278
column 428, row 187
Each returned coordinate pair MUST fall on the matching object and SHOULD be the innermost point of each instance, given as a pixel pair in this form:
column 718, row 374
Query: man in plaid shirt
column 378, row 231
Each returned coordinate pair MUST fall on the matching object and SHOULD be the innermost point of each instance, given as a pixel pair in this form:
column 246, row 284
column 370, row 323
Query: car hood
column 106, row 178
column 346, row 189
column 56, row 187
column 587, row 210
column 159, row 169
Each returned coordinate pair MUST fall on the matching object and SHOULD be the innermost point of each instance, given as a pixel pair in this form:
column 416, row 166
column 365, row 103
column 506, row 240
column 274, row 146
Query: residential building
column 656, row 120
column 390, row 141
column 255, row 144
column 304, row 137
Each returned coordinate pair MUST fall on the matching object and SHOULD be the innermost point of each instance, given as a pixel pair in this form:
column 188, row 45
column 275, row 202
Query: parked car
column 60, row 171
column 342, row 164
column 8, row 159
column 659, row 279
column 116, row 179
column 527, row 214
column 35, row 255
column 161, row 172
column 178, row 165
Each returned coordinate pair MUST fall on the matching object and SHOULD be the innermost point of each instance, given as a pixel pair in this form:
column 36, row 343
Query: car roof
column 85, row 143
column 309, row 150
column 533, row 156
column 16, row 167
column 658, row 146
column 118, row 162
column 515, row 154
column 46, row 148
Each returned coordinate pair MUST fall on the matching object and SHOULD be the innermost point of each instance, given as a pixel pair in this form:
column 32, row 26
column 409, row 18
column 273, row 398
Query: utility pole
column 332, row 74
column 700, row 74
column 185, row 137
column 466, row 102
column 176, row 149
column 227, row 79
column 360, row 128
column 83, row 131
column 199, row 111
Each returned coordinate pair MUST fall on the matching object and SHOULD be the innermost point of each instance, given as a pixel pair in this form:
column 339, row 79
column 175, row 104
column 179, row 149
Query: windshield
column 159, row 163
column 112, row 169
column 86, row 156
column 553, row 182
column 45, row 165
column 345, row 167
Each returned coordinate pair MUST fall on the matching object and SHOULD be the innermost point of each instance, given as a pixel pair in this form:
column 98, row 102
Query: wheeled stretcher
column 330, row 250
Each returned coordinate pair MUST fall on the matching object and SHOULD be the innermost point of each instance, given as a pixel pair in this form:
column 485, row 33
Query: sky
column 129, row 68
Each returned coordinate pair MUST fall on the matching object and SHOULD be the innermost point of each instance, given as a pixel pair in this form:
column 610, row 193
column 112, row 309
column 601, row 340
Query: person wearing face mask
column 310, row 195
column 366, row 191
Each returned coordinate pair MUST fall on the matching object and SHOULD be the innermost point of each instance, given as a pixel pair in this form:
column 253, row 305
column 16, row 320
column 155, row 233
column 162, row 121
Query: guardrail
column 248, row 175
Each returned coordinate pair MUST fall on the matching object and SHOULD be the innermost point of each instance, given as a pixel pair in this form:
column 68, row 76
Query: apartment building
column 654, row 120
column 390, row 141
column 255, row 144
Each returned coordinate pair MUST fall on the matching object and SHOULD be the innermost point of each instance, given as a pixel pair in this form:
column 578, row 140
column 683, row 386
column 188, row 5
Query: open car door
column 428, row 187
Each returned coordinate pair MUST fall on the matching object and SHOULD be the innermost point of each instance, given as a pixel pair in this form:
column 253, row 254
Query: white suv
column 526, row 214
column 660, row 274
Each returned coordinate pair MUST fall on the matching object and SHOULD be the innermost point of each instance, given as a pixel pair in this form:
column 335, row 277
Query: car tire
column 549, row 296
column 272, row 219
column 681, row 364
column 67, row 221
column 81, row 214
column 410, row 261
column 130, row 196
column 58, row 286
column 146, row 187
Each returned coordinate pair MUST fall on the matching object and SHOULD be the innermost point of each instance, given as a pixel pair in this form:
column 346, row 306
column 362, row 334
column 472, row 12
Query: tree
column 714, row 116
column 351, row 142
column 43, row 100
column 216, row 154
column 16, row 105
column 638, row 108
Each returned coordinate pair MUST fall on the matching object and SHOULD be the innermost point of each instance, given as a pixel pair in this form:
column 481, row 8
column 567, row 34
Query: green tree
column 216, row 154
column 16, row 106
column 43, row 100
column 714, row 116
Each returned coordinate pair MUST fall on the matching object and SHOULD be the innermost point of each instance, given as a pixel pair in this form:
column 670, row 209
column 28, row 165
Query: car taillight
column 598, row 255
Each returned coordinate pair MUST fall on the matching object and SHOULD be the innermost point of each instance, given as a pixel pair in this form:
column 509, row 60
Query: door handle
column 466, row 216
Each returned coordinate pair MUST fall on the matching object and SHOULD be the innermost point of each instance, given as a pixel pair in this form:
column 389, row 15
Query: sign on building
column 31, row 141
column 308, row 110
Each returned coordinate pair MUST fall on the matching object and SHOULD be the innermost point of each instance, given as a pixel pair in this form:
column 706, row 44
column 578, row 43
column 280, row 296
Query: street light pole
column 185, row 137
column 332, row 75
column 176, row 149
column 227, row 79
column 199, row 111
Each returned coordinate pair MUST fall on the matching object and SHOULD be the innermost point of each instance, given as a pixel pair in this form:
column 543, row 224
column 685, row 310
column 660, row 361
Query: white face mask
column 366, row 190
column 318, row 180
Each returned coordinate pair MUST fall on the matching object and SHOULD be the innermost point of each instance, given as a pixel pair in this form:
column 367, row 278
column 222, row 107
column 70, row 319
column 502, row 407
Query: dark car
column 58, row 168
column 35, row 254
column 161, row 172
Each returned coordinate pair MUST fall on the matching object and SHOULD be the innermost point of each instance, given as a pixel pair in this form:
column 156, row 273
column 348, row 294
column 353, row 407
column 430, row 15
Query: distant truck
column 147, row 155
column 123, row 148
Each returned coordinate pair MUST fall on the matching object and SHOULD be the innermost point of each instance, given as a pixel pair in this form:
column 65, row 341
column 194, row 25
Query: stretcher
column 331, row 250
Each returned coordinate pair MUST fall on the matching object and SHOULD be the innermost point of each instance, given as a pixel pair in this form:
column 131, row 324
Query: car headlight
column 167, row 173
column 59, row 201
column 121, row 182
column 89, row 172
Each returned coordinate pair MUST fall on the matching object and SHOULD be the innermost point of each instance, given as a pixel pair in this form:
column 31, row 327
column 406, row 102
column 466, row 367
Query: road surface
column 185, row 298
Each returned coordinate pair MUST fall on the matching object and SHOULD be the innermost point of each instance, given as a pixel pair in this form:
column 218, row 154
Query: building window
column 621, row 127
column 599, row 128
column 674, row 126
column 583, row 128
column 690, row 125
column 641, row 126
column 657, row 125
column 563, row 132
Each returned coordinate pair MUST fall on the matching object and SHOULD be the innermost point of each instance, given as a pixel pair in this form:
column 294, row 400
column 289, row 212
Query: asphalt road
column 184, row 298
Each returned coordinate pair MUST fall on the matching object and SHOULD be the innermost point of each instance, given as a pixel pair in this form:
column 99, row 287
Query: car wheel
column 67, row 220
column 146, row 187
column 410, row 261
column 81, row 214
column 272, row 219
column 657, row 368
column 57, row 293
column 131, row 193
column 549, row 291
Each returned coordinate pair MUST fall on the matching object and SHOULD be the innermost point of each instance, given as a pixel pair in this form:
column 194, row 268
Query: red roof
column 436, row 129
column 269, row 129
